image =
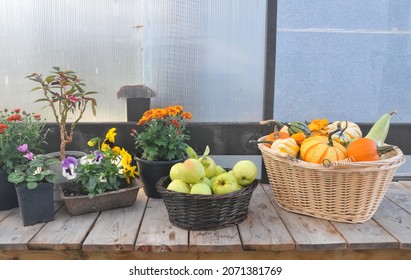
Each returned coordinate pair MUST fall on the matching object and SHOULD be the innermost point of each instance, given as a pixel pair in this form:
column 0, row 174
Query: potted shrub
column 34, row 180
column 100, row 180
column 63, row 92
column 160, row 145
column 17, row 127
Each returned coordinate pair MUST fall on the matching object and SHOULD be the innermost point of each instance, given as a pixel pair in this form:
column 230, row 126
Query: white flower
column 103, row 178
column 38, row 171
column 86, row 160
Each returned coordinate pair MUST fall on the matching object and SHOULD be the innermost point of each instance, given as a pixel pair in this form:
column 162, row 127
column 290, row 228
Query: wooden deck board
column 5, row 213
column 400, row 194
column 368, row 235
column 65, row 232
column 396, row 221
column 157, row 234
column 117, row 229
column 219, row 240
column 309, row 233
column 13, row 235
column 263, row 229
column 144, row 231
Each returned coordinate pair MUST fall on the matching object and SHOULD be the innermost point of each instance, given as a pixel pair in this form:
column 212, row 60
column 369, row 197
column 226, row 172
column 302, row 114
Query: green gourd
column 379, row 130
column 293, row 127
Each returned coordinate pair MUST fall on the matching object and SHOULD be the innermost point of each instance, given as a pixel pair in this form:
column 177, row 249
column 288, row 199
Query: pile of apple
column 201, row 175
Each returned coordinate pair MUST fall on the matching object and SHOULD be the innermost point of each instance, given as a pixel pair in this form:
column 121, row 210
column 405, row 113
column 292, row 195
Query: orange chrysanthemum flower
column 164, row 134
column 318, row 126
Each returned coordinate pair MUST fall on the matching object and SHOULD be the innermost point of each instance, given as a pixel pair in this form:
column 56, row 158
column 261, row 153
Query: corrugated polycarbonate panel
column 207, row 55
column 96, row 38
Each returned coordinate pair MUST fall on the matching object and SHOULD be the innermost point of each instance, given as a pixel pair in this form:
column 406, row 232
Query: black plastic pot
column 151, row 171
column 8, row 196
column 36, row 205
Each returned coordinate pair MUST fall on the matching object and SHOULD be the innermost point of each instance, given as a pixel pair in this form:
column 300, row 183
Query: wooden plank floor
column 143, row 231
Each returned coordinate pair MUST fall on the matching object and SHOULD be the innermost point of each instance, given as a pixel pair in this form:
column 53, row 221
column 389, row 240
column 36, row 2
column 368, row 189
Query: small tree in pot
column 63, row 92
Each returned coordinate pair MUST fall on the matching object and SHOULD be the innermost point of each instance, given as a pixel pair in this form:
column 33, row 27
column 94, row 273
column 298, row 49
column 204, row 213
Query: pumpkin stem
column 330, row 140
column 276, row 123
column 385, row 149
column 339, row 126
column 393, row 112
column 276, row 132
column 260, row 142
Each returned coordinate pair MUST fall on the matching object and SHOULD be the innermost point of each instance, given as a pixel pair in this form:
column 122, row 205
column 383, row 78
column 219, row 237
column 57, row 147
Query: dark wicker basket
column 205, row 212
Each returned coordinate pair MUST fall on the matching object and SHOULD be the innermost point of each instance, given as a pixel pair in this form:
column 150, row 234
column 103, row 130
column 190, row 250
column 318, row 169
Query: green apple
column 219, row 170
column 175, row 170
column 191, row 171
column 224, row 184
column 245, row 172
column 178, row 186
column 207, row 181
column 209, row 166
column 200, row 188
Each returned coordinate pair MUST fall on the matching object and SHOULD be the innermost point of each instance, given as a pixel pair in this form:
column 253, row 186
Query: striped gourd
column 349, row 131
column 287, row 146
column 295, row 127
column 318, row 148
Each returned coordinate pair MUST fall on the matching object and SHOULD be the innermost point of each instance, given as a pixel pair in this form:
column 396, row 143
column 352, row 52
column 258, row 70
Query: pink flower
column 23, row 148
column 74, row 99
column 29, row 156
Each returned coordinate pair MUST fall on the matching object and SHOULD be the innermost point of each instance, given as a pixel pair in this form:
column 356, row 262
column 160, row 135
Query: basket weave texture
column 344, row 192
column 205, row 212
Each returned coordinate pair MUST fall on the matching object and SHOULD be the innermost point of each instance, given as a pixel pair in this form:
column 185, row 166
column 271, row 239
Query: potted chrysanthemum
column 160, row 144
column 100, row 180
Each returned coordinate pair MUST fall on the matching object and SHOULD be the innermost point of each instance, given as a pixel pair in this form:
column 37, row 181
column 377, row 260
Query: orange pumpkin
column 299, row 137
column 318, row 148
column 365, row 149
column 275, row 136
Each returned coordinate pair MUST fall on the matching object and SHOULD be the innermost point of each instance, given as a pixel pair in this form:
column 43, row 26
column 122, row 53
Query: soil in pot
column 57, row 168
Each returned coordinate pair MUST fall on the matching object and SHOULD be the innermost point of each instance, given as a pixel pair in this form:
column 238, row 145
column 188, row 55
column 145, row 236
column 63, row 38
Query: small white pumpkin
column 349, row 132
column 284, row 147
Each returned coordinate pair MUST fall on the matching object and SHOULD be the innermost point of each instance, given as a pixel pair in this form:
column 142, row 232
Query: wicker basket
column 344, row 192
column 205, row 212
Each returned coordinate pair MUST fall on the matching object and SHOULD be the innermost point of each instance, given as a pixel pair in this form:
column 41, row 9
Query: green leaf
column 35, row 178
column 41, row 100
column 49, row 79
column 191, row 153
column 206, row 151
column 32, row 185
column 16, row 177
column 36, row 88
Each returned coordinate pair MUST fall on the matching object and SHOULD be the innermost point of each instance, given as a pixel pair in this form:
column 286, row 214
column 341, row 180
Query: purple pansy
column 99, row 156
column 68, row 165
